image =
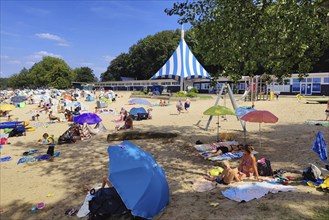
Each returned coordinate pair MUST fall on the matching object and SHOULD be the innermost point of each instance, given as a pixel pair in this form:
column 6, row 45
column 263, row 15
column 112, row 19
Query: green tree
column 246, row 37
column 52, row 72
column 85, row 74
column 118, row 67
column 20, row 80
column 4, row 83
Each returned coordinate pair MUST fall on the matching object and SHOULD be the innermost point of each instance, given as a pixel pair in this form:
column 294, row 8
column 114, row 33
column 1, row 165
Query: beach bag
column 312, row 173
column 106, row 203
column 264, row 167
column 17, row 131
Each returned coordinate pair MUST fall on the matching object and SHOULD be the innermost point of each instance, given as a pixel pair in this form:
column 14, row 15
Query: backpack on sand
column 312, row 173
column 264, row 167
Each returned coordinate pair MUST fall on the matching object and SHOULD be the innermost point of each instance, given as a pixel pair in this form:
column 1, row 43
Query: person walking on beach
column 187, row 104
column 179, row 106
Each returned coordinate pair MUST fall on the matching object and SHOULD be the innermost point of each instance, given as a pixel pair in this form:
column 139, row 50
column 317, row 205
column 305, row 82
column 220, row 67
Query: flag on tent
column 182, row 64
column 320, row 147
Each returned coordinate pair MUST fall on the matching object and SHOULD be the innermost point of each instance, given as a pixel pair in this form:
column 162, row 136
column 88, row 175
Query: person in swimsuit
column 227, row 176
column 221, row 149
column 248, row 164
column 128, row 124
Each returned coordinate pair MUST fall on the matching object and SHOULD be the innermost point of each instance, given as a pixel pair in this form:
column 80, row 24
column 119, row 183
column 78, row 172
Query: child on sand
column 48, row 140
column 227, row 176
column 35, row 117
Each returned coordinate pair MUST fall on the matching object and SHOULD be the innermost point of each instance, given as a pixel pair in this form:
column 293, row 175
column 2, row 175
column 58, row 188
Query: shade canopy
column 182, row 64
column 320, row 147
column 140, row 101
column 218, row 110
column 260, row 116
column 89, row 118
column 6, row 107
column 139, row 179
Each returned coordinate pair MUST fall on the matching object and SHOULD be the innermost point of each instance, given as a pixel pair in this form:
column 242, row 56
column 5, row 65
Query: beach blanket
column 5, row 159
column 206, row 147
column 318, row 123
column 252, row 191
column 30, row 152
column 157, row 105
column 229, row 156
column 36, row 158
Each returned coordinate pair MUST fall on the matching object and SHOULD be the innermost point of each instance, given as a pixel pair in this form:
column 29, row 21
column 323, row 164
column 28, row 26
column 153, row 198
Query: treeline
column 229, row 38
column 49, row 72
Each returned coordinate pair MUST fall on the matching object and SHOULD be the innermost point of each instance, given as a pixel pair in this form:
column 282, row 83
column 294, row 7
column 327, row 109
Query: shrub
column 194, row 90
column 192, row 95
column 180, row 94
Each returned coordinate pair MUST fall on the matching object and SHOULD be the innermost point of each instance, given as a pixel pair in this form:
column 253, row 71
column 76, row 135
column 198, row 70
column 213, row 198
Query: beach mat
column 36, row 158
column 5, row 159
column 229, row 156
column 247, row 192
column 318, row 123
column 206, row 147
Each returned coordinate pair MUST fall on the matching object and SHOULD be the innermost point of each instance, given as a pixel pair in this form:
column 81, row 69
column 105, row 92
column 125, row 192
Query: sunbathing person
column 52, row 117
column 221, row 149
column 248, row 164
column 227, row 176
column 128, row 124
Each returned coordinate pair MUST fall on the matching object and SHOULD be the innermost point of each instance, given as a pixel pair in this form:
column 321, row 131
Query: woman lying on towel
column 248, row 164
column 221, row 149
column 227, row 176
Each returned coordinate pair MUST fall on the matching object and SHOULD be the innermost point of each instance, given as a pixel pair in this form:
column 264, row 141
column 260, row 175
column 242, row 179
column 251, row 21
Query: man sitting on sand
column 227, row 176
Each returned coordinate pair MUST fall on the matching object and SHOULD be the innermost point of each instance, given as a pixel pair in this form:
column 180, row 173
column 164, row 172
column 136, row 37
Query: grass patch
column 204, row 96
column 136, row 135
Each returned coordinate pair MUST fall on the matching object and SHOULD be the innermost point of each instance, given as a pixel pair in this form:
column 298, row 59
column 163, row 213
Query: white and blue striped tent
column 182, row 64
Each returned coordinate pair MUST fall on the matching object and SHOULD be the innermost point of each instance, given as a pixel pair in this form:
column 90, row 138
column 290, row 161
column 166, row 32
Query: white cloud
column 38, row 55
column 108, row 58
column 60, row 41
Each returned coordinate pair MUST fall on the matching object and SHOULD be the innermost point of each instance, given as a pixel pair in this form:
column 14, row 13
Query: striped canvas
column 182, row 64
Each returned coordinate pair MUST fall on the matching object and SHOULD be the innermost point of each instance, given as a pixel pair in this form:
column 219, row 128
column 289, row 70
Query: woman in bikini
column 248, row 164
column 221, row 149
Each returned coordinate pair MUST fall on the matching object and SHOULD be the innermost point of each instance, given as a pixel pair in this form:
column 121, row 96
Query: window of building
column 309, row 80
column 295, row 85
column 316, row 80
column 205, row 86
column 326, row 79
column 197, row 86
column 286, row 82
column 316, row 87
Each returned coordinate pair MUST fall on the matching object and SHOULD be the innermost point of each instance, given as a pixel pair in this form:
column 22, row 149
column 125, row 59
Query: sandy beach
column 288, row 145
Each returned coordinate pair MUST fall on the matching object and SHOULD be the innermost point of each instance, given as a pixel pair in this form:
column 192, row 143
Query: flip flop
column 41, row 205
column 71, row 211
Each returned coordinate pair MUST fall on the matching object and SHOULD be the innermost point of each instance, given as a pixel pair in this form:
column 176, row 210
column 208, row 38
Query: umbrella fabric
column 320, row 147
column 218, row 110
column 260, row 116
column 241, row 111
column 18, row 99
column 89, row 118
column 6, row 107
column 140, row 102
column 139, row 180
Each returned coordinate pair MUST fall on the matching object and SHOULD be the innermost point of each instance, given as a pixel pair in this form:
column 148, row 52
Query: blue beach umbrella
column 320, row 147
column 89, row 118
column 18, row 99
column 140, row 101
column 241, row 111
column 139, row 180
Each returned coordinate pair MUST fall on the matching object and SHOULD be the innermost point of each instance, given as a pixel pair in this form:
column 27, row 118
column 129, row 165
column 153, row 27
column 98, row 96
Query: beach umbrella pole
column 260, row 135
column 218, row 129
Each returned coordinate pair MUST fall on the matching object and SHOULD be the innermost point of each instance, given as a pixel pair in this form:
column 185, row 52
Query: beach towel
column 229, row 156
column 318, row 123
column 206, row 147
column 36, row 158
column 203, row 185
column 320, row 147
column 5, row 159
column 252, row 191
column 30, row 152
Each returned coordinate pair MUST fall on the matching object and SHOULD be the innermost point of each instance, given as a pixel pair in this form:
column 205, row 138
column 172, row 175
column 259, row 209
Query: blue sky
column 82, row 33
